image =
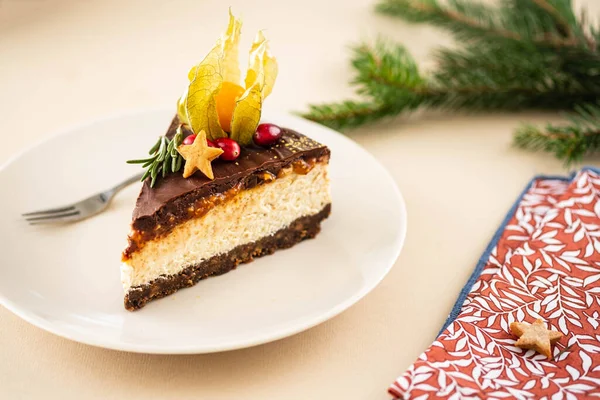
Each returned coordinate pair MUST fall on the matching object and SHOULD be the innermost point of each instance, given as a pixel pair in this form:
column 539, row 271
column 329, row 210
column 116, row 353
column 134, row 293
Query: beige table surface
column 64, row 62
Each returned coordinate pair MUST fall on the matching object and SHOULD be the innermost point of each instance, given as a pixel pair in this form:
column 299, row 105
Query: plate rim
column 291, row 330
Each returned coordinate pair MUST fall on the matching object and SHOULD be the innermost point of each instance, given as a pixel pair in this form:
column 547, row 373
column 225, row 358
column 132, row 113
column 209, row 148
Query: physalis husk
column 181, row 112
column 200, row 104
column 198, row 107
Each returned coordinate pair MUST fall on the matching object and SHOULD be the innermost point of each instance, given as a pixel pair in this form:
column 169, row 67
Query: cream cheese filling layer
column 248, row 217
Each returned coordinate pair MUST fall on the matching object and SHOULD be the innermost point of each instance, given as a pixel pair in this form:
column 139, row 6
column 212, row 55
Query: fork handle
column 127, row 182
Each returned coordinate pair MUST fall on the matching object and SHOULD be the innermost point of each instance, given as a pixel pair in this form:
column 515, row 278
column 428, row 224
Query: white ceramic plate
column 65, row 279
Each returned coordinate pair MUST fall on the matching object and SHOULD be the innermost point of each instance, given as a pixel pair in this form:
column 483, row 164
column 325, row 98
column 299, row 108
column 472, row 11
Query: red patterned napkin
column 544, row 262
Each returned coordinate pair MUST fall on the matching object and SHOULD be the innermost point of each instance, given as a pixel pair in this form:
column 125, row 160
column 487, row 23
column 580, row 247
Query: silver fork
column 80, row 210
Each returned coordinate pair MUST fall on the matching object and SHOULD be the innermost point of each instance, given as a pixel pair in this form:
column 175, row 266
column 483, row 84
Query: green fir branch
column 388, row 76
column 513, row 20
column 386, row 71
column 462, row 18
column 522, row 54
column 569, row 142
column 348, row 114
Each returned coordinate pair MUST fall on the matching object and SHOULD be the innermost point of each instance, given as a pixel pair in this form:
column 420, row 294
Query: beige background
column 64, row 62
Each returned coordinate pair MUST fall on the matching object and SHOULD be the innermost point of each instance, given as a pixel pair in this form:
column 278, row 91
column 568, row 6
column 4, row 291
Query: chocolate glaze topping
column 290, row 147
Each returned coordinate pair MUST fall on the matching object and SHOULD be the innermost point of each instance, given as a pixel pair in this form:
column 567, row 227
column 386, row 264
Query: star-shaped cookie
column 535, row 336
column 198, row 156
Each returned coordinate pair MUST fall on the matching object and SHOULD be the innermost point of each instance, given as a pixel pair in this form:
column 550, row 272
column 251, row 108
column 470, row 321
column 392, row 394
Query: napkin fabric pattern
column 544, row 262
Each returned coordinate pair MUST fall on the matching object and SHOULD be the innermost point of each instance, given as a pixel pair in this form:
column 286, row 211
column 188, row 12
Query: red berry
column 267, row 134
column 189, row 140
column 231, row 148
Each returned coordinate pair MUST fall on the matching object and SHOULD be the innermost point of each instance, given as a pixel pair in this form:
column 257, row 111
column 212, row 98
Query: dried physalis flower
column 535, row 336
column 198, row 156
column 200, row 104
column 215, row 101
column 260, row 78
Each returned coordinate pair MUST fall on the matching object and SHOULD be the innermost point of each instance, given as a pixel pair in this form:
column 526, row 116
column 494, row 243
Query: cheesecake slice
column 187, row 229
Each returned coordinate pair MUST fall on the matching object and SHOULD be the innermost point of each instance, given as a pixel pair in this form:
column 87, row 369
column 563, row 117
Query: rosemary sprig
column 164, row 158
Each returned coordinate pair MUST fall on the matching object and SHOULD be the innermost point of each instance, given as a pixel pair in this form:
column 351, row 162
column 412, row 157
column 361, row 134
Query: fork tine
column 48, row 211
column 52, row 217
